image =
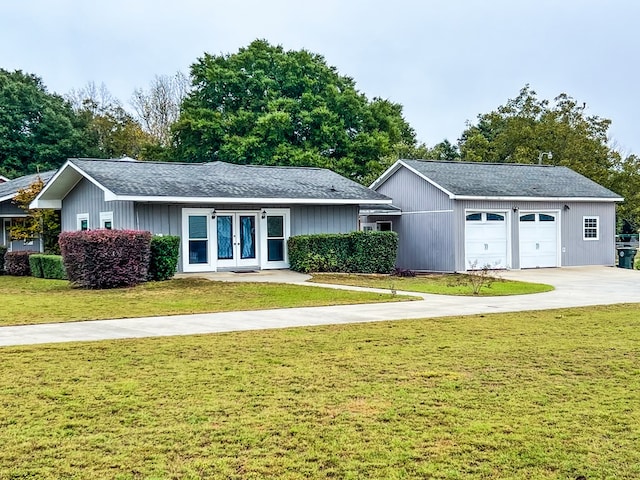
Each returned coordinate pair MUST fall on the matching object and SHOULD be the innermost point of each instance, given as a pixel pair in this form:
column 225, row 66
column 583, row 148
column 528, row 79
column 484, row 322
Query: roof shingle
column 479, row 179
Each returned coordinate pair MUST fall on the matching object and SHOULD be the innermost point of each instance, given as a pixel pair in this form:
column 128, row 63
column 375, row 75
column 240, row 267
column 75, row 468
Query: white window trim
column 367, row 227
column 79, row 218
column 286, row 213
column 584, row 227
column 106, row 217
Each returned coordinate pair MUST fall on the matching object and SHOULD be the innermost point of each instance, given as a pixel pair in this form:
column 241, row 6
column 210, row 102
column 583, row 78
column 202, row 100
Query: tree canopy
column 38, row 130
column 265, row 105
column 525, row 127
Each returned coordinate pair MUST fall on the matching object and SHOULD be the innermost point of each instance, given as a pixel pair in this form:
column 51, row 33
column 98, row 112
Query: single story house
column 457, row 216
column 10, row 213
column 229, row 216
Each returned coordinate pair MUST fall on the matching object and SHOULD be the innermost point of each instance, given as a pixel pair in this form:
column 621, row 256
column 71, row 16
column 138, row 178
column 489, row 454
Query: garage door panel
column 538, row 240
column 485, row 240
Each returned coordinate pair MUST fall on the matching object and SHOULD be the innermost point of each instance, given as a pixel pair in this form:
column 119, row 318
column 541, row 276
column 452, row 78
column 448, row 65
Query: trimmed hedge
column 164, row 257
column 355, row 252
column 106, row 258
column 47, row 266
column 3, row 251
column 17, row 263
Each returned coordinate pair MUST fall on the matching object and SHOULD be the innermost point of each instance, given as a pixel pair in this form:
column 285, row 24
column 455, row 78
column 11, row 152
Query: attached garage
column 457, row 216
column 539, row 239
column 486, row 240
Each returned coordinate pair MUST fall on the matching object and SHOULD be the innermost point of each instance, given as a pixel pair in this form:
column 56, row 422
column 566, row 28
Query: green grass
column 443, row 284
column 28, row 300
column 530, row 395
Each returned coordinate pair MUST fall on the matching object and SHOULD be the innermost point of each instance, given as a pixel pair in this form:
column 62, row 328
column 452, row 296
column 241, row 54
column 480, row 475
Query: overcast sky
column 445, row 61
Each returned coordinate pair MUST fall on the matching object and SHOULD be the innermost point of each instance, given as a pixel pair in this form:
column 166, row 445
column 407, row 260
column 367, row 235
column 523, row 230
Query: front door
column 236, row 239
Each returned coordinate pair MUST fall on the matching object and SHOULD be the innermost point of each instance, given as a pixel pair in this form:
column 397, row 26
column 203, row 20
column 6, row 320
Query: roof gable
column 462, row 180
column 217, row 181
column 10, row 188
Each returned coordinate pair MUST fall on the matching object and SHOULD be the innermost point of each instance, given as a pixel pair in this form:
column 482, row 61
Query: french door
column 236, row 239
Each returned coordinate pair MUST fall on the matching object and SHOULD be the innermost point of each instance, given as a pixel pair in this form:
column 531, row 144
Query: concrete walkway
column 577, row 286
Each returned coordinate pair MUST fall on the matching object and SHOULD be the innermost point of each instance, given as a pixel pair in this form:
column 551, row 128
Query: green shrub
column 355, row 252
column 3, row 251
column 47, row 266
column 35, row 265
column 164, row 257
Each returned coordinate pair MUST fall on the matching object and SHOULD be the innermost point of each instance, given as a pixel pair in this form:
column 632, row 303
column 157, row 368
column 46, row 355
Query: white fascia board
column 385, row 175
column 427, row 179
column 56, row 203
column 109, row 196
column 538, row 199
column 7, row 197
column 49, row 204
column 13, row 215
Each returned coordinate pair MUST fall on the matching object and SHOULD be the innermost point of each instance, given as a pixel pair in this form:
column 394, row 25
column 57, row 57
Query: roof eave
column 110, row 196
column 538, row 199
column 45, row 200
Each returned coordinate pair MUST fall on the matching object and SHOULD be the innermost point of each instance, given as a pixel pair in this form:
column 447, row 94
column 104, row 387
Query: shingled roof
column 9, row 189
column 498, row 180
column 128, row 179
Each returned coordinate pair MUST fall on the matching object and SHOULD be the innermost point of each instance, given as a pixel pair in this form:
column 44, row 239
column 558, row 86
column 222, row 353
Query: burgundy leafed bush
column 106, row 258
column 17, row 263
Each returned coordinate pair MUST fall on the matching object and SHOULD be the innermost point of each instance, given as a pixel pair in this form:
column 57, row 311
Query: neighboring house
column 228, row 216
column 10, row 213
column 458, row 216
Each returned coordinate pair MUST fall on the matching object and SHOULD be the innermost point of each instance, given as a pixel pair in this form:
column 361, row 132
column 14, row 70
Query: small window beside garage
column 591, row 228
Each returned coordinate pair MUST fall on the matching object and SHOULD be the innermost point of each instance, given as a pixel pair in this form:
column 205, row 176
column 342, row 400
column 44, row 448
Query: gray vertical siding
column 574, row 250
column 87, row 198
column 436, row 241
column 310, row 219
column 426, row 231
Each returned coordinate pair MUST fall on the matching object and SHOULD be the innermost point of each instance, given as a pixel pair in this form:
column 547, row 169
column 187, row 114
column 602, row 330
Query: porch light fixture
column 264, row 214
column 515, row 209
column 213, row 214
column 566, row 208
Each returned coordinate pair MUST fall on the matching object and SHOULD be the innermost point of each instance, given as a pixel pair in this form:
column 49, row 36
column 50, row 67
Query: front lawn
column 444, row 284
column 28, row 300
column 528, row 395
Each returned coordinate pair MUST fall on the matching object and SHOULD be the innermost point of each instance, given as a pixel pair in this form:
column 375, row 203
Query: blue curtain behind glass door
column 247, row 234
column 225, row 244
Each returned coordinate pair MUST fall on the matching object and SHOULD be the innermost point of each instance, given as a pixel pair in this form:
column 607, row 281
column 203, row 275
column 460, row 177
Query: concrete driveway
column 578, row 286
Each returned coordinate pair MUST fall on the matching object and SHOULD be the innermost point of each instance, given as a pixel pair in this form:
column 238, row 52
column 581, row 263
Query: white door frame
column 236, row 260
column 209, row 265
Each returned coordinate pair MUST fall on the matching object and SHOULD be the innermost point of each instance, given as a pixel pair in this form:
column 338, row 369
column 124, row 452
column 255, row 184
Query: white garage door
column 538, row 240
column 485, row 240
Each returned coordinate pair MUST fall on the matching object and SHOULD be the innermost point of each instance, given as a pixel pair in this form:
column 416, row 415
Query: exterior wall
column 431, row 230
column 574, row 249
column 426, row 231
column 310, row 219
column 87, row 198
column 8, row 212
column 8, row 208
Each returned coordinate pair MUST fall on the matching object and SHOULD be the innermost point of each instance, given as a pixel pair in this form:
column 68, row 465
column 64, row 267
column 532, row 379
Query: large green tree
column 526, row 126
column 38, row 130
column 265, row 105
